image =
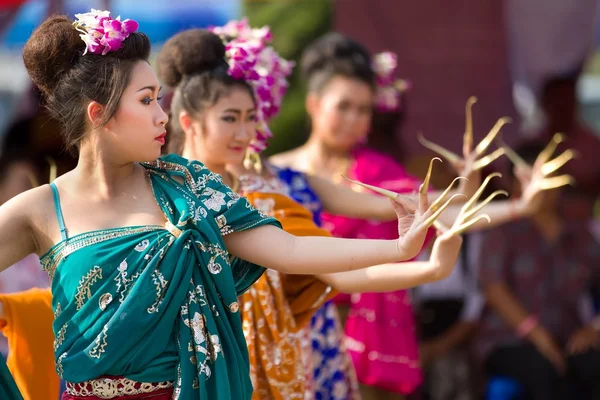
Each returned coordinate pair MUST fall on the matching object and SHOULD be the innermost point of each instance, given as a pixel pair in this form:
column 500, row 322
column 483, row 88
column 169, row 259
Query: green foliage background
column 295, row 24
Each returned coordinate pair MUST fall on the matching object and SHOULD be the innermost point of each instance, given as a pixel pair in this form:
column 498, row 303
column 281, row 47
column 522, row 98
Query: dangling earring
column 252, row 161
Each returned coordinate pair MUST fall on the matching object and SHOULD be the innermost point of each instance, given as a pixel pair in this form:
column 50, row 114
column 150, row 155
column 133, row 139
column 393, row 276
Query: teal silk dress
column 159, row 303
column 8, row 387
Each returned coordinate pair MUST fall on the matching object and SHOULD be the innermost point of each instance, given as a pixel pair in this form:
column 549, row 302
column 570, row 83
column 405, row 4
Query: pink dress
column 380, row 329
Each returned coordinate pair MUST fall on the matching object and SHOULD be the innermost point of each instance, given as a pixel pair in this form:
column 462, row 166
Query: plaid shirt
column 548, row 279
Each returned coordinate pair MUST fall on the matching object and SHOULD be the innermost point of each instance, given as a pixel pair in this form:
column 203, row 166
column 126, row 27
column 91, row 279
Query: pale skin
column 219, row 137
column 109, row 181
column 340, row 116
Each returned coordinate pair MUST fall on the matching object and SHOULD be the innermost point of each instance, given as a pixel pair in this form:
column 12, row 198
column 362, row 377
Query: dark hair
column 332, row 55
column 54, row 59
column 193, row 63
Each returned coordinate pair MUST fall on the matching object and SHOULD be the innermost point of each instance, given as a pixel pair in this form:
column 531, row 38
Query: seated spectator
column 534, row 274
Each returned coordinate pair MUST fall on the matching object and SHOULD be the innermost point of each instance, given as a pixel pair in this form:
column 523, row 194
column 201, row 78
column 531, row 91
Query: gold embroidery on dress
column 213, row 266
column 161, row 284
column 84, row 290
column 104, row 301
column 100, row 346
column 51, row 259
column 59, row 366
column 60, row 336
column 123, row 282
column 57, row 310
column 109, row 388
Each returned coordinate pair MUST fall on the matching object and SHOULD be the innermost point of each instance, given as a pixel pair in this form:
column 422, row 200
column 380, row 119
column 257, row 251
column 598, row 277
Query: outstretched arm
column 276, row 249
column 389, row 277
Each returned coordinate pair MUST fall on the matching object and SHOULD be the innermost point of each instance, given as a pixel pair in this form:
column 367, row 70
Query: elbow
column 339, row 283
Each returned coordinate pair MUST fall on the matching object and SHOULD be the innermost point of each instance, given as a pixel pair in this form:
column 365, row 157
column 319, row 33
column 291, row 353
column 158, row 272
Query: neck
column 319, row 155
column 217, row 168
column 99, row 172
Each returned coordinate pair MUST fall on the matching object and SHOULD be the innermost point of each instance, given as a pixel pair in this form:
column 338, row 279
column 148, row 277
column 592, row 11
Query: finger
column 468, row 136
column 457, row 230
column 478, row 193
column 406, row 201
column 403, row 206
column 487, row 160
column 489, row 138
column 424, row 188
column 545, row 155
column 513, row 156
column 479, row 206
column 447, row 154
column 439, row 200
column 558, row 162
column 556, row 182
column 387, row 193
column 429, row 221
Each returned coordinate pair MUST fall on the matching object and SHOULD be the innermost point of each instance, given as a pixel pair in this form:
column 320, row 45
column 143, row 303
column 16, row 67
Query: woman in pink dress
column 342, row 78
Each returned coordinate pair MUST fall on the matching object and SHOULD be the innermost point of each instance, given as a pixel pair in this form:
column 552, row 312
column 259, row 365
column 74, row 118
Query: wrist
column 518, row 209
column 527, row 327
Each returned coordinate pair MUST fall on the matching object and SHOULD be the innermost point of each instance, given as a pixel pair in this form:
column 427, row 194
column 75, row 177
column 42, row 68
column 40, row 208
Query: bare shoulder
column 287, row 159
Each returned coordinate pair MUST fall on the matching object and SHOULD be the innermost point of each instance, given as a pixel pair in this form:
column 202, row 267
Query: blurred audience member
column 535, row 275
column 447, row 313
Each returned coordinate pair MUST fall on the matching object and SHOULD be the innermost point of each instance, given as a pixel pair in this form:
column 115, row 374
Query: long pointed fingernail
column 558, row 162
column 429, row 221
column 425, row 185
column 463, row 227
column 487, row 160
column 384, row 192
column 447, row 154
column 479, row 206
column 550, row 148
column 556, row 182
column 439, row 200
column 468, row 137
column 53, row 168
column 478, row 193
column 512, row 155
column 484, row 144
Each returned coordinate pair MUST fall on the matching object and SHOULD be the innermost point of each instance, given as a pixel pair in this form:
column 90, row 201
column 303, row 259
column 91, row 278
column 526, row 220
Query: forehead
column 142, row 75
column 235, row 98
column 350, row 88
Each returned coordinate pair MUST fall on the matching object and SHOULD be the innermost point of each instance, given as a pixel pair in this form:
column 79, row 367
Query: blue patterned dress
column 334, row 376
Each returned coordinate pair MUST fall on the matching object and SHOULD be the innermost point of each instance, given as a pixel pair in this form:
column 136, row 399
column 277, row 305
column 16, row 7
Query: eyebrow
column 153, row 88
column 237, row 111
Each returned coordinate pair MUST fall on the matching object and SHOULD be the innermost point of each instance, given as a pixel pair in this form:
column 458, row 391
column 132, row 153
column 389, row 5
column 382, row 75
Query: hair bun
column 190, row 52
column 51, row 51
column 331, row 49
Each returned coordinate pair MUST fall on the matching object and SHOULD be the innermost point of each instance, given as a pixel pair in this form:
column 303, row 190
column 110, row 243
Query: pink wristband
column 526, row 326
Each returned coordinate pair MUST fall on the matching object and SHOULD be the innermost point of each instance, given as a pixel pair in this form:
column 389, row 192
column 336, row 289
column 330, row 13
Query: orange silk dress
column 278, row 307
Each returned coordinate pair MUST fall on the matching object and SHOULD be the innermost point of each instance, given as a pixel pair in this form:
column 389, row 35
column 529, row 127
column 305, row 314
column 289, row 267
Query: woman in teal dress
column 147, row 255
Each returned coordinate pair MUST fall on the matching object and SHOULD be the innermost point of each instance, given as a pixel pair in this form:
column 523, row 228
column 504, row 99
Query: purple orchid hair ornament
column 388, row 87
column 101, row 33
column 251, row 58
